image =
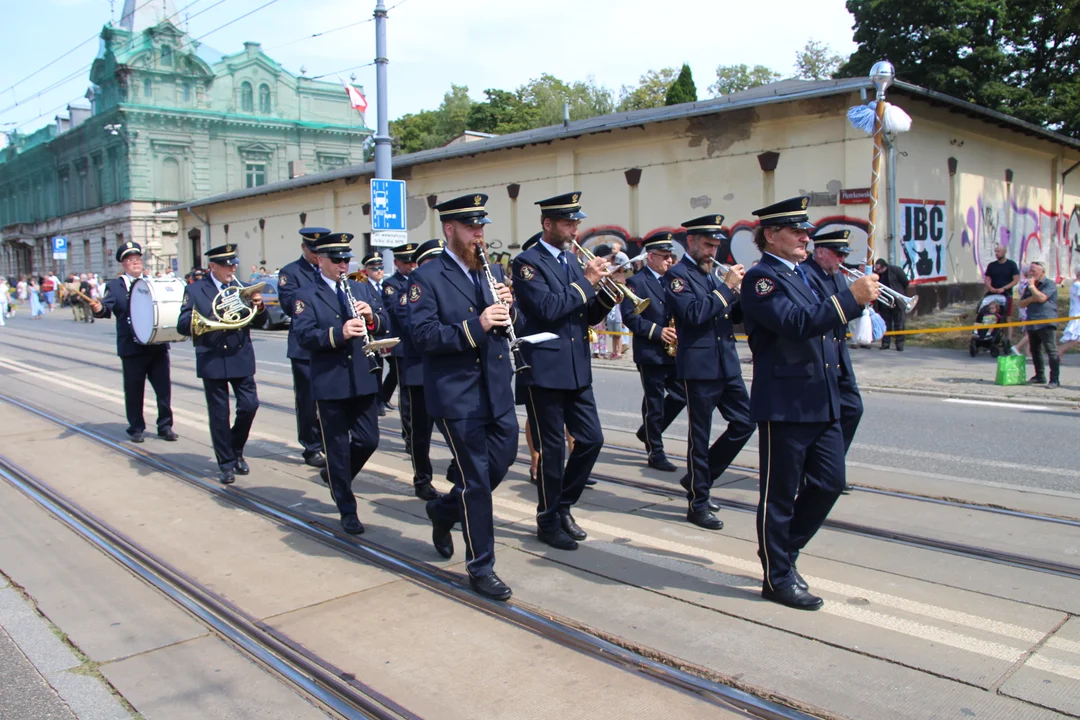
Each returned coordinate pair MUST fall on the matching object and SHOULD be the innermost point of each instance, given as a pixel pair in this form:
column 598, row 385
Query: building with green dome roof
column 169, row 120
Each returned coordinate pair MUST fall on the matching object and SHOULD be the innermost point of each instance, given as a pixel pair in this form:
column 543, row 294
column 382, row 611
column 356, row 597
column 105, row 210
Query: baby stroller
column 991, row 310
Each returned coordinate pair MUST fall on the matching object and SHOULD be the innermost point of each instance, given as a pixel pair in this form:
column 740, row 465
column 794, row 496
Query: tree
column 1021, row 57
column 650, row 92
column 816, row 61
column 503, row 112
column 683, row 89
column 736, row 78
column 415, row 132
column 452, row 117
column 544, row 98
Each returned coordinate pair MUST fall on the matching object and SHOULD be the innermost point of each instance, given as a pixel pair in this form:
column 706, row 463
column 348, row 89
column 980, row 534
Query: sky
column 433, row 43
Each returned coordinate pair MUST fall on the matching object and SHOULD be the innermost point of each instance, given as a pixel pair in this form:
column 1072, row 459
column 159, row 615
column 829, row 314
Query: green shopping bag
column 1010, row 370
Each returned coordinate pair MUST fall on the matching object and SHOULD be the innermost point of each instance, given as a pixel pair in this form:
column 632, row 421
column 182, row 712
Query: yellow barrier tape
column 957, row 328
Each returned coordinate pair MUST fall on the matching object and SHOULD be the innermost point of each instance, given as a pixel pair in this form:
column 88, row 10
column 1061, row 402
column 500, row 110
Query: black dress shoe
column 705, row 519
column 799, row 582
column 641, row 434
column 490, row 586
column 589, row 482
column 793, row 596
column 425, row 491
column 440, row 534
column 227, row 477
column 1037, row 380
column 570, row 526
column 382, row 410
column 352, row 525
column 317, row 460
column 136, row 437
column 168, row 435
column 324, row 475
column 662, row 463
column 685, row 482
column 388, row 405
column 242, row 466
column 556, row 538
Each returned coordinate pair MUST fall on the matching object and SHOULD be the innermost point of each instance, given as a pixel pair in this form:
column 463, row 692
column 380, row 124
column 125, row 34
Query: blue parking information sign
column 388, row 221
column 59, row 248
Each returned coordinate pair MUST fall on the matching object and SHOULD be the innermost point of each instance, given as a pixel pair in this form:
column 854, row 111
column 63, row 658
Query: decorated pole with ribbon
column 881, row 75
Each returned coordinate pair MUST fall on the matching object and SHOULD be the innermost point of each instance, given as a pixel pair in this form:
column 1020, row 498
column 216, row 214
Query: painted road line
column 989, row 403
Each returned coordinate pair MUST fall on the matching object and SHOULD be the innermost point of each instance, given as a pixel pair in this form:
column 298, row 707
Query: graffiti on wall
column 922, row 239
column 1029, row 233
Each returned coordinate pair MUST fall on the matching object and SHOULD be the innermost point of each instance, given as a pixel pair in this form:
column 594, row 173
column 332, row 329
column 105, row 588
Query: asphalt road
column 985, row 442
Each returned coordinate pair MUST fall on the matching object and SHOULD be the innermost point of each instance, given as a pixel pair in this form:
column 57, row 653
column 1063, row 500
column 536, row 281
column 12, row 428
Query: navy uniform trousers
column 802, row 475
column 307, row 419
column 229, row 440
column 483, row 450
column 552, row 414
column 350, row 432
column 137, row 369
column 704, row 463
column 663, row 398
column 390, row 382
column 416, row 426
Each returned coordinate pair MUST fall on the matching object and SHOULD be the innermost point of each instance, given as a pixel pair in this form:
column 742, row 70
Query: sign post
column 59, row 252
column 388, row 220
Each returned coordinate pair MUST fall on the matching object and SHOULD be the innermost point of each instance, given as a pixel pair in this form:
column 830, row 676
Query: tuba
column 232, row 308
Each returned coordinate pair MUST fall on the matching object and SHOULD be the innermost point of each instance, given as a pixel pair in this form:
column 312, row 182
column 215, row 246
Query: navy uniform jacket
column 291, row 278
column 647, row 327
column 467, row 372
column 832, row 285
column 339, row 368
column 115, row 302
column 220, row 354
column 551, row 303
column 393, row 288
column 411, row 362
column 705, row 321
column 791, row 331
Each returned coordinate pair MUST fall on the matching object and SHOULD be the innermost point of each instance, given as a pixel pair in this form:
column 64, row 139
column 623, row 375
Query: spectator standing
column 1001, row 276
column 1071, row 337
column 37, row 306
column 896, row 316
column 4, row 300
column 48, row 290
column 1040, row 300
column 78, row 310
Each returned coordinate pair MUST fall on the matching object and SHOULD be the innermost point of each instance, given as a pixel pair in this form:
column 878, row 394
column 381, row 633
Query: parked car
column 274, row 318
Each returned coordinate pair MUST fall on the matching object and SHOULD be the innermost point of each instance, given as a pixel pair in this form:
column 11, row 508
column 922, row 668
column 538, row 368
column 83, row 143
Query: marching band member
column 291, row 278
column 223, row 358
column 830, row 250
column 334, row 329
column 416, row 423
column 454, row 323
column 393, row 288
column 373, row 269
column 663, row 395
column 706, row 311
column 796, row 398
column 139, row 362
column 557, row 296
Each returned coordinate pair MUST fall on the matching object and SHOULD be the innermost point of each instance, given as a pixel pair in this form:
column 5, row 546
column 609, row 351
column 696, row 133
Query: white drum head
column 141, row 311
column 154, row 309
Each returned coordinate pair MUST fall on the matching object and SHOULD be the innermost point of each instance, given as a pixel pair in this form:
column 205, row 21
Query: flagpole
column 881, row 75
column 382, row 129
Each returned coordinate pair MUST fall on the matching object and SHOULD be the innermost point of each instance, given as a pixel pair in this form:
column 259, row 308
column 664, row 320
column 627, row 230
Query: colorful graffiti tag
column 1028, row 233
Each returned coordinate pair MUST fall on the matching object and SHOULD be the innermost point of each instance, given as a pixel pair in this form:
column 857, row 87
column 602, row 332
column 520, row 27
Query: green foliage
column 683, row 89
column 1020, row 57
column 651, row 91
column 736, row 78
column 816, row 61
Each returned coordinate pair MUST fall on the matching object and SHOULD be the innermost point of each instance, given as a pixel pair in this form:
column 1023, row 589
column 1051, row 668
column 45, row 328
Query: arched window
column 247, row 101
column 166, row 55
column 264, row 99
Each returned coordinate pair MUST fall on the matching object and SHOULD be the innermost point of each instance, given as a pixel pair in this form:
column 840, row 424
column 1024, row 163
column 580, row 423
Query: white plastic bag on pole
column 864, row 329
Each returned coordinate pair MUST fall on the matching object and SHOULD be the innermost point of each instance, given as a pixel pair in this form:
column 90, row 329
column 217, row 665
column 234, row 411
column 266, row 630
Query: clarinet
column 373, row 359
column 506, row 330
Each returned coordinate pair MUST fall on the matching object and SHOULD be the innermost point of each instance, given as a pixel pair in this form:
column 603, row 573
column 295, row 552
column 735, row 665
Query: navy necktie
column 343, row 301
column 802, row 274
column 477, row 287
column 565, row 265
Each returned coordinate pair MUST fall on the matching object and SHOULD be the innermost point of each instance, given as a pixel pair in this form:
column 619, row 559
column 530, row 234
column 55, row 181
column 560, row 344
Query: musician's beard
column 466, row 250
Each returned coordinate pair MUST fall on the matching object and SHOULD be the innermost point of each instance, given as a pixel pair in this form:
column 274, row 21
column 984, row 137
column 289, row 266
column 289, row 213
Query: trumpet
column 232, row 308
column 371, row 347
column 615, row 291
column 720, row 270
column 889, row 297
column 507, row 330
column 672, row 348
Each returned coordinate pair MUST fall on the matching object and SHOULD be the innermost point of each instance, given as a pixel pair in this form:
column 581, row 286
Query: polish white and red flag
column 356, row 98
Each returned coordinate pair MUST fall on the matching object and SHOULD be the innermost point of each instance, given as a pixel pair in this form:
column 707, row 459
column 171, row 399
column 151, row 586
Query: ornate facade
column 169, row 120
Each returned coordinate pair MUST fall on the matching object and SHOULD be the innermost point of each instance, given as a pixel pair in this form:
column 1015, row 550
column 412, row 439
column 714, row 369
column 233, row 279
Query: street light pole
column 382, row 130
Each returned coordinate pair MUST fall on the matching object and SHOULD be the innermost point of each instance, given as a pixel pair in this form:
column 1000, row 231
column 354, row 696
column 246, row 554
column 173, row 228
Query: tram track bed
column 889, row 645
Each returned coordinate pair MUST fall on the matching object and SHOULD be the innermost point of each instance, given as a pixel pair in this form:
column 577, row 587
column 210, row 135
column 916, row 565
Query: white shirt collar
column 790, row 265
column 555, row 252
column 456, row 259
column 328, row 281
column 657, row 275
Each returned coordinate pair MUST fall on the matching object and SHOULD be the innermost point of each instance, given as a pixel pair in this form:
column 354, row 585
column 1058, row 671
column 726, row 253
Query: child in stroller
column 991, row 311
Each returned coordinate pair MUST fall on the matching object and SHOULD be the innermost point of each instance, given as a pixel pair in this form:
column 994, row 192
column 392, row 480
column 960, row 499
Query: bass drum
column 154, row 309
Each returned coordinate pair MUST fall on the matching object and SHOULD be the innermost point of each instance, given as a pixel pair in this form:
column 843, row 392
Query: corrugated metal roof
column 782, row 91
